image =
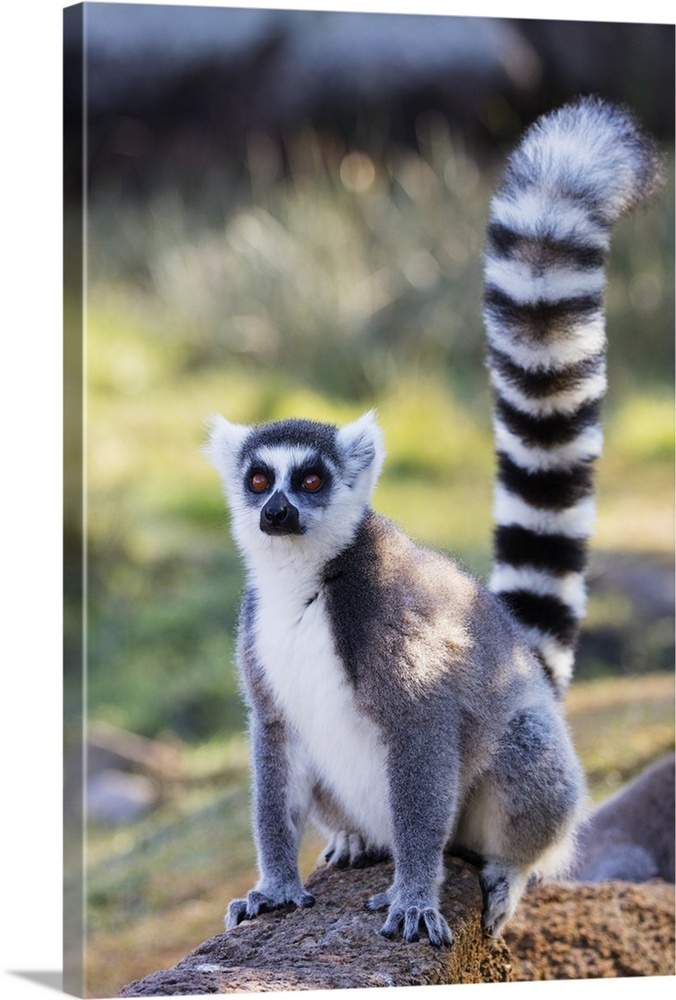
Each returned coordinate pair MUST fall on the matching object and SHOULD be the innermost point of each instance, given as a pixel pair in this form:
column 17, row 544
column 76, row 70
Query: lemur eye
column 312, row 482
column 259, row 482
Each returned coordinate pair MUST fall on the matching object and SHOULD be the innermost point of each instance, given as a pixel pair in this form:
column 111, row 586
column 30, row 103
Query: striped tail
column 574, row 174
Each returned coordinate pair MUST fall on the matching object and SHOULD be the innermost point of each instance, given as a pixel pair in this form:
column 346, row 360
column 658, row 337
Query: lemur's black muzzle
column 280, row 517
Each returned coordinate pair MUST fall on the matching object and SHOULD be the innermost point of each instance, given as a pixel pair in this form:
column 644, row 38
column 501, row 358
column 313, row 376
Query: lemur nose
column 279, row 516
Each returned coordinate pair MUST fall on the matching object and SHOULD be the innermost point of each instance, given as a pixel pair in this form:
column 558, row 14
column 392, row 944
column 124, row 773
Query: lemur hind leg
column 346, row 847
column 521, row 817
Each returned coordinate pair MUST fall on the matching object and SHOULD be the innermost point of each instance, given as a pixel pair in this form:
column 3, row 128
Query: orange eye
column 259, row 482
column 312, row 482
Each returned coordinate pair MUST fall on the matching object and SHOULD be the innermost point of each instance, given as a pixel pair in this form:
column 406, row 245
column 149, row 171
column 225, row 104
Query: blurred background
column 284, row 216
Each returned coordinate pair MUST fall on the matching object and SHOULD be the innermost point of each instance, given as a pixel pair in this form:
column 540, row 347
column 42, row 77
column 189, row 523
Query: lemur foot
column 407, row 918
column 349, row 850
column 258, row 902
column 502, row 887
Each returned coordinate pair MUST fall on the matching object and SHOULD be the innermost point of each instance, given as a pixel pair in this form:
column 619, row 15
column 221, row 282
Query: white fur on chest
column 340, row 744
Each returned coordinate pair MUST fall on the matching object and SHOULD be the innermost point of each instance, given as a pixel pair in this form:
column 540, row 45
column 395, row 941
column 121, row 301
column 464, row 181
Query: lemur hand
column 264, row 899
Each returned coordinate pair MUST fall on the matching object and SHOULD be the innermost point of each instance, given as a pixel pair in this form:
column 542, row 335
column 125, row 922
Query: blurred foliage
column 346, row 283
column 346, row 271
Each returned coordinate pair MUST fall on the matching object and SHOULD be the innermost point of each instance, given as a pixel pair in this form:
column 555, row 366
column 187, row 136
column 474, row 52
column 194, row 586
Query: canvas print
column 369, row 512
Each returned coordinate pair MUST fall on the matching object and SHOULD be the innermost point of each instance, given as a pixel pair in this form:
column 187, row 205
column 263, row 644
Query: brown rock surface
column 561, row 931
column 593, row 931
column 336, row 944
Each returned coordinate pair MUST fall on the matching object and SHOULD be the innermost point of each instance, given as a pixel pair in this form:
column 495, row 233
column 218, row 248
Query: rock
column 127, row 775
column 116, row 797
column 336, row 944
column 560, row 931
column 593, row 931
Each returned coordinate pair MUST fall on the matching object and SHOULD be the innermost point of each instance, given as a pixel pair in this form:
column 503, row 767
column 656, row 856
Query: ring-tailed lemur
column 395, row 701
column 630, row 836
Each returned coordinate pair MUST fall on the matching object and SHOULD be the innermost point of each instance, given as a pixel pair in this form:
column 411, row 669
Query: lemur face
column 296, row 479
column 288, row 488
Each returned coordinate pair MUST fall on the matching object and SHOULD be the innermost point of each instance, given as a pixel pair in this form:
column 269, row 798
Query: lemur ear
column 361, row 444
column 223, row 444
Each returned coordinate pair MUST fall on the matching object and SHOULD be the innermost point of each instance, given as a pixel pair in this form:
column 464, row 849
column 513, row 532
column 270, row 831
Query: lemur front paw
column 262, row 902
column 408, row 918
column 349, row 850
